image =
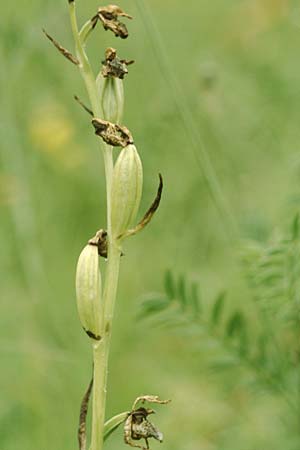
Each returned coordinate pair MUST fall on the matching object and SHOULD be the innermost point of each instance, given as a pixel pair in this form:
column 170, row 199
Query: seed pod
column 111, row 93
column 126, row 191
column 88, row 291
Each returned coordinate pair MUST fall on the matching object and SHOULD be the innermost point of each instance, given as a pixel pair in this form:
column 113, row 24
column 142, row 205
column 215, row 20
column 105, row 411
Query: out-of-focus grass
column 237, row 62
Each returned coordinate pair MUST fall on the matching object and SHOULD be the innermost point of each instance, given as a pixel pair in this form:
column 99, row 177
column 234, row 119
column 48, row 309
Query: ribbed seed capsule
column 111, row 93
column 88, row 291
column 127, row 186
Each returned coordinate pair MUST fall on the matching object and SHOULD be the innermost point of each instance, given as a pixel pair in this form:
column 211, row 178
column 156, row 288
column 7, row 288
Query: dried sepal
column 113, row 66
column 109, row 16
column 100, row 241
column 150, row 399
column 113, row 134
column 62, row 50
column 113, row 11
column 149, row 214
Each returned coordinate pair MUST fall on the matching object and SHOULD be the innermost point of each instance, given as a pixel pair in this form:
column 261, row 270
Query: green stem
column 101, row 348
column 91, row 87
column 101, row 351
column 84, row 65
column 99, row 394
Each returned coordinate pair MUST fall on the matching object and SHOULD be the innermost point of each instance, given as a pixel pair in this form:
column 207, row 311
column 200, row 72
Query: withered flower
column 114, row 66
column 109, row 15
column 112, row 134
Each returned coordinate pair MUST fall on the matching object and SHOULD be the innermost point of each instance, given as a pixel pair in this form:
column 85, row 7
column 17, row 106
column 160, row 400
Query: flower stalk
column 96, row 299
column 101, row 348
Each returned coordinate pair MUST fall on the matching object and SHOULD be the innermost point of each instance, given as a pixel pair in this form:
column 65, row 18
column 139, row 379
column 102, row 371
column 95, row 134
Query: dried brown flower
column 109, row 15
column 112, row 134
column 100, row 241
column 114, row 66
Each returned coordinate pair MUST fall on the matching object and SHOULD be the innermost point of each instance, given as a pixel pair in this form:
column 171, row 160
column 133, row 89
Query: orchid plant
column 96, row 293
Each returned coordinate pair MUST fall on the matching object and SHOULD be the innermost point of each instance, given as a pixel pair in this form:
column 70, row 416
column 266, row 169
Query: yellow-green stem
column 101, row 351
column 99, row 394
column 90, row 83
column 84, row 65
column 101, row 348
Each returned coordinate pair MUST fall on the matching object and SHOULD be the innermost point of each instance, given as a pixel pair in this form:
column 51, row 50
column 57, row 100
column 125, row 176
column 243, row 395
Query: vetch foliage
column 263, row 340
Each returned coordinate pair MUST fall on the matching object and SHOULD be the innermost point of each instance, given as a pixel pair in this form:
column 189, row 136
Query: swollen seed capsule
column 111, row 93
column 126, row 191
column 88, row 291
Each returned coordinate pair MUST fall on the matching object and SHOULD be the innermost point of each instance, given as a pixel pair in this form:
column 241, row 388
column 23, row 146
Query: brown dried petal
column 112, row 134
column 118, row 28
column 108, row 15
column 100, row 241
column 114, row 66
column 112, row 12
column 149, row 399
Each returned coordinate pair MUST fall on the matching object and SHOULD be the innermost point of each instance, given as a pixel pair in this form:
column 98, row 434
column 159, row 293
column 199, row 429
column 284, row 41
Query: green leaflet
column 217, row 308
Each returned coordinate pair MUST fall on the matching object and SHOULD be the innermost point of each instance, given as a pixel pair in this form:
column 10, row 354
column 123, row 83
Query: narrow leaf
column 235, row 324
column 218, row 308
column 223, row 362
column 169, row 285
column 295, row 227
column 153, row 305
column 269, row 276
column 243, row 345
column 195, row 300
column 112, row 424
column 182, row 292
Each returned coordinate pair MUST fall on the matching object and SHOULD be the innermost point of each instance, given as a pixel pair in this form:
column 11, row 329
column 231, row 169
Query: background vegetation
column 231, row 363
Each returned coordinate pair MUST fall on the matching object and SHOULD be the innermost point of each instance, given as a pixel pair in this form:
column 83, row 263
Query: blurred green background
column 237, row 67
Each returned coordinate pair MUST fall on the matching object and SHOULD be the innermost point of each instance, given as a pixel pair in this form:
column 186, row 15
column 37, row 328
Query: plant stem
column 99, row 394
column 84, row 65
column 90, row 83
column 101, row 348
